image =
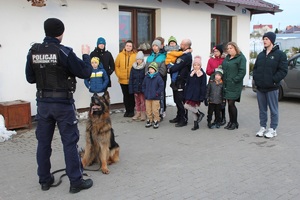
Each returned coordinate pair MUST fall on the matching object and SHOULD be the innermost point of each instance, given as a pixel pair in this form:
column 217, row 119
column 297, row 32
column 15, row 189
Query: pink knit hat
column 197, row 59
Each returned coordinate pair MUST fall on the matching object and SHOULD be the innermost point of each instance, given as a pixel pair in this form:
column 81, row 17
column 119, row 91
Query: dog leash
column 60, row 178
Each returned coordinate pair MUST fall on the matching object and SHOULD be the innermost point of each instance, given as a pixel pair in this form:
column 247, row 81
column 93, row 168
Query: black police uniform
column 182, row 66
column 53, row 67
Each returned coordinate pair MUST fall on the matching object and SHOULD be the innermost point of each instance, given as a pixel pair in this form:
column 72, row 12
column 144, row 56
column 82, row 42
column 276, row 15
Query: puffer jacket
column 234, row 72
column 123, row 65
column 214, row 92
column 137, row 75
column 212, row 64
column 159, row 58
column 270, row 69
column 153, row 85
column 98, row 81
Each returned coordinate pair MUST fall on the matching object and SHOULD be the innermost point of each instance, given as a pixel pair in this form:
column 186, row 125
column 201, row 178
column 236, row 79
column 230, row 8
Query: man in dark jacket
column 269, row 69
column 105, row 57
column 182, row 66
column 53, row 68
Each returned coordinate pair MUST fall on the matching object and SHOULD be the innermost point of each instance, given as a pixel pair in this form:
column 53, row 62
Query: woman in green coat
column 234, row 67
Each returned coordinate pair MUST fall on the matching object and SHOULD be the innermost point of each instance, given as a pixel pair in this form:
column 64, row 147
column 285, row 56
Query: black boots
column 228, row 125
column 233, row 126
column 196, row 126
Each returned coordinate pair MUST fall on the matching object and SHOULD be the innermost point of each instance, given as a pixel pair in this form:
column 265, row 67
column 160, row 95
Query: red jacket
column 212, row 64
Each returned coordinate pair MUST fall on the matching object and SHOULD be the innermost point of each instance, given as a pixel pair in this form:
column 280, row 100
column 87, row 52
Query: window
column 138, row 25
column 220, row 30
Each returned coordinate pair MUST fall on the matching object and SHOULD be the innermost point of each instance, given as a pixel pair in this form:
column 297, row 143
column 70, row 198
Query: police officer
column 183, row 67
column 53, row 68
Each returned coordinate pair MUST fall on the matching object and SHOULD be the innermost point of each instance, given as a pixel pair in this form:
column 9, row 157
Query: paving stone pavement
column 173, row 163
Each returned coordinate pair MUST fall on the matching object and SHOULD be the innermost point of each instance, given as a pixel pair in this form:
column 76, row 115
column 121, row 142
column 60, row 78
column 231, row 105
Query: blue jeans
column 48, row 115
column 265, row 100
column 173, row 75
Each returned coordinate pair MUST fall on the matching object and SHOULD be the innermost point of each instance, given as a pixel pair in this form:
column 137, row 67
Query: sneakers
column 156, row 124
column 85, row 184
column 261, row 132
column 148, row 124
column 270, row 133
column 46, row 186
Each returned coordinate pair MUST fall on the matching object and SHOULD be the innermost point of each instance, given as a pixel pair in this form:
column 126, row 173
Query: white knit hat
column 140, row 55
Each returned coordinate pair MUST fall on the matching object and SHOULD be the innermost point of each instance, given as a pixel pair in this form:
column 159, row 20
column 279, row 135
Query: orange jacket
column 123, row 65
column 172, row 56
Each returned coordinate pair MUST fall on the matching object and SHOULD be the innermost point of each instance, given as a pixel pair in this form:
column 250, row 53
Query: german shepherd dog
column 100, row 139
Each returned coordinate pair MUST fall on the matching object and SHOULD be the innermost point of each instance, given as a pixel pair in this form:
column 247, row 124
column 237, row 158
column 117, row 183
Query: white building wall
column 85, row 21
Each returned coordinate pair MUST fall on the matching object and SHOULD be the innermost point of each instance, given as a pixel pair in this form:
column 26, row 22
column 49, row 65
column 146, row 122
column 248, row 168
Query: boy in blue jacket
column 99, row 80
column 153, row 85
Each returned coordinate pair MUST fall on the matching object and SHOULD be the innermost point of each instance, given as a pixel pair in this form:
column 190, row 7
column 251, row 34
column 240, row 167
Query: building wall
column 85, row 21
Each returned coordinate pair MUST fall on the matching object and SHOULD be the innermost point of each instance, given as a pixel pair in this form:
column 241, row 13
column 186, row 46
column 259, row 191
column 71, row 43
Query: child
column 215, row 99
column 153, row 85
column 137, row 75
column 195, row 91
column 98, row 81
column 173, row 53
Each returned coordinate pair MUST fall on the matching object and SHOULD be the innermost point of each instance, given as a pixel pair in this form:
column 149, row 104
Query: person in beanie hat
column 54, row 27
column 98, row 81
column 55, row 102
column 105, row 58
column 271, row 36
column 215, row 60
column 153, row 86
column 269, row 69
column 159, row 57
column 214, row 96
column 195, row 91
column 173, row 53
column 137, row 75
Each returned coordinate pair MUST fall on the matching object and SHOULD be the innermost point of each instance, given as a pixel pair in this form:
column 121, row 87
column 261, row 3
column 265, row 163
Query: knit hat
column 219, row 48
column 172, row 39
column 271, row 36
column 53, row 27
column 140, row 55
column 154, row 66
column 95, row 59
column 157, row 43
column 219, row 71
column 101, row 40
column 197, row 59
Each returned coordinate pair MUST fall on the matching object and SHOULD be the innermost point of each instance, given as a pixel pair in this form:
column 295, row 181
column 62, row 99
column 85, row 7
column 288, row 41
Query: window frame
column 134, row 21
column 218, row 19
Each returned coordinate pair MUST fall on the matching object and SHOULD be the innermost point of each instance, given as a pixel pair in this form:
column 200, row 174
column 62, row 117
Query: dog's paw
column 105, row 170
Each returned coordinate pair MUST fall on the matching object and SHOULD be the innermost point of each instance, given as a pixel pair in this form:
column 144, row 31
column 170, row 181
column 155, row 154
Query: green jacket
column 234, row 72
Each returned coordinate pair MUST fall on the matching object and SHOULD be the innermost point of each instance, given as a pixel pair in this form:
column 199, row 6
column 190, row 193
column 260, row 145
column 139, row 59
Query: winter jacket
column 234, row 71
column 183, row 67
column 106, row 59
column 159, row 58
column 214, row 93
column 270, row 69
column 212, row 64
column 153, row 85
column 172, row 54
column 123, row 65
column 137, row 75
column 195, row 89
column 98, row 81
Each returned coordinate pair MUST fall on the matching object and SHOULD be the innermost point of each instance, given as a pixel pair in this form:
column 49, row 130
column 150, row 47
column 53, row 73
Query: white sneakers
column 267, row 133
column 270, row 133
column 261, row 132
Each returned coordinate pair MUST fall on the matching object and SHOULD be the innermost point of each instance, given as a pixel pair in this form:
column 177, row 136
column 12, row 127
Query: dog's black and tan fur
column 100, row 140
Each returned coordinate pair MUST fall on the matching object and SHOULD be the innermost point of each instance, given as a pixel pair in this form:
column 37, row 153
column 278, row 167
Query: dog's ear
column 106, row 96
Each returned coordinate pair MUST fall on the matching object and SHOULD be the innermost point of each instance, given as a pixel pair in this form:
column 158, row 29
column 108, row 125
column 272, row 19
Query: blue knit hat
column 101, row 40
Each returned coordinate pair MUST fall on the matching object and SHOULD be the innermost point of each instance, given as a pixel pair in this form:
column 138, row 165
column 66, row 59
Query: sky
column 289, row 15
